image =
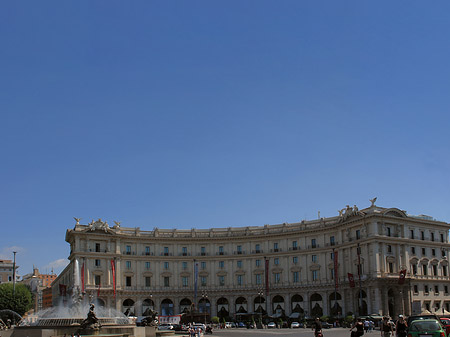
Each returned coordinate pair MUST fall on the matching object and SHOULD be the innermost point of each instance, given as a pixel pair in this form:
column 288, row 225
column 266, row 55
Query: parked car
column 199, row 325
column 429, row 327
column 227, row 324
column 446, row 323
column 296, row 325
column 241, row 325
column 326, row 325
column 271, row 325
column 165, row 326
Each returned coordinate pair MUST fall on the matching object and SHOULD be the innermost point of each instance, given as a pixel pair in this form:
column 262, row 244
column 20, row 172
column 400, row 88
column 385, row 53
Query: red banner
column 82, row 278
column 336, row 282
column 401, row 278
column 266, row 263
column 113, row 269
column 351, row 280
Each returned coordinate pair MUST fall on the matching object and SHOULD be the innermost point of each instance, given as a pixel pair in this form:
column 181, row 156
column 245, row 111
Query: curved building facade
column 371, row 261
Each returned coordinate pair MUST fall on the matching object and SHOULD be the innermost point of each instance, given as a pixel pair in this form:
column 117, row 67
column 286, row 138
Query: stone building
column 37, row 283
column 285, row 270
column 6, row 271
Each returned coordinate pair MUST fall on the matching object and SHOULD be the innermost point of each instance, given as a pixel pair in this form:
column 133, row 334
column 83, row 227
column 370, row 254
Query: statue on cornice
column 373, row 201
column 77, row 220
column 117, row 224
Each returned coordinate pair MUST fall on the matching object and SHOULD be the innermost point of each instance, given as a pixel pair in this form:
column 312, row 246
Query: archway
column 391, row 302
column 128, row 307
column 223, row 309
column 316, row 305
column 99, row 302
column 185, row 305
column 147, row 306
column 259, row 305
column 166, row 307
column 334, row 305
column 278, row 306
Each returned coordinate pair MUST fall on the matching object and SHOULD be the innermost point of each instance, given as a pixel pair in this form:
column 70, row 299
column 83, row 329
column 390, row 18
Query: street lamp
column 204, row 298
column 260, row 295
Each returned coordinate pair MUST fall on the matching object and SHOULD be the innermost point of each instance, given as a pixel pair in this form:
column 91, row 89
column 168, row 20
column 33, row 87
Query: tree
column 21, row 302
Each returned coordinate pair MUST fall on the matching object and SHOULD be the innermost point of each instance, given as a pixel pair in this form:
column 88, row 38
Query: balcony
column 129, row 253
column 184, row 254
column 148, row 254
column 257, row 251
column 221, row 253
column 294, row 248
column 239, row 252
column 166, row 254
column 276, row 250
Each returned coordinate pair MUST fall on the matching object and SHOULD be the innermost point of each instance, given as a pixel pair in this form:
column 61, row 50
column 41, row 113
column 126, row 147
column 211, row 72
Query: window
column 203, row 281
column 442, row 237
column 239, row 249
column 203, row 265
column 332, row 273
column 258, row 279
column 411, row 235
column 97, row 262
column 294, row 245
column 258, row 263
column 221, row 264
column 277, row 277
column 97, row 280
column 220, row 250
column 295, row 259
column 360, row 269
column 436, row 289
column 166, row 281
column 422, row 235
column 435, row 270
column 166, row 265
column 313, row 243
column 433, row 252
column 166, row 251
column 391, row 267
column 332, row 242
column 388, row 231
column 184, row 265
column 416, row 289
column 203, row 251
column 432, row 236
column 443, row 253
column 295, row 277
column 425, row 289
column 314, row 258
column 314, row 275
column 275, row 246
column 239, row 264
column 358, row 234
column 424, row 269
column 276, row 261
column 184, row 251
column 413, row 250
column 128, row 264
column 221, row 280
column 128, row 250
column 389, row 249
column 147, row 250
column 128, row 281
column 147, row 265
column 97, row 247
column 185, row 281
column 332, row 256
column 444, row 270
column 148, row 281
column 239, row 280
column 446, row 289
column 424, row 251
column 257, row 248
column 414, row 269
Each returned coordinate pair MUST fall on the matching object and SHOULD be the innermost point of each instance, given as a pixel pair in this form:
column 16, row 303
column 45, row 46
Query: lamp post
column 204, row 299
column 14, row 275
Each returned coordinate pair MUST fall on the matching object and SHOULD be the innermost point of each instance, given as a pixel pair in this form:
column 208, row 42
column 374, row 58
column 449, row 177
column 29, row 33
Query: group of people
column 359, row 327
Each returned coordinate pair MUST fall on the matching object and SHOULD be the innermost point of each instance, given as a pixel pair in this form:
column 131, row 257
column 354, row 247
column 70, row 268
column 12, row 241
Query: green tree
column 215, row 319
column 22, row 300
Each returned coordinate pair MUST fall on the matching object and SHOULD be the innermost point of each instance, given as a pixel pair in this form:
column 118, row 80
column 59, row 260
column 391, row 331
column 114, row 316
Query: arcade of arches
column 392, row 300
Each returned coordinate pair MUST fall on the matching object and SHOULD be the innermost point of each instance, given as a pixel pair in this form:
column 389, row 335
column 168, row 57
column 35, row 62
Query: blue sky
column 181, row 114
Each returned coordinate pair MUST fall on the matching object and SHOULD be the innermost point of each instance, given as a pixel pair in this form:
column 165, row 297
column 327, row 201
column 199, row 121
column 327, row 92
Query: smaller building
column 6, row 271
column 47, row 298
column 38, row 283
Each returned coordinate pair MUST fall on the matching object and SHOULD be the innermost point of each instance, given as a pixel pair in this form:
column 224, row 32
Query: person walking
column 317, row 327
column 386, row 327
column 401, row 326
column 359, row 326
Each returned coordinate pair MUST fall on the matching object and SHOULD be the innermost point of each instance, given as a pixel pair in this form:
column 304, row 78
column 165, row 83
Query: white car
column 271, row 325
column 295, row 325
column 165, row 326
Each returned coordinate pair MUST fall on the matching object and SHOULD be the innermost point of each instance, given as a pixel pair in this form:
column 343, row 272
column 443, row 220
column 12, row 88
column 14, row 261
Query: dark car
column 414, row 318
column 326, row 325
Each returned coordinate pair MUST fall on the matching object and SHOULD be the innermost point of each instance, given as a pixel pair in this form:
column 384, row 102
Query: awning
column 294, row 315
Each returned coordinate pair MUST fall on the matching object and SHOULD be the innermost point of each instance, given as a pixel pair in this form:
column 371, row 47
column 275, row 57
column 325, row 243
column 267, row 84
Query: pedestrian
column 401, row 326
column 366, row 325
column 359, row 326
column 386, row 327
column 317, row 327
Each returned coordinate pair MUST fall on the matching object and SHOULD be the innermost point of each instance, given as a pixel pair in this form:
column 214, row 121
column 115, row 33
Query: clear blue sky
column 217, row 113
